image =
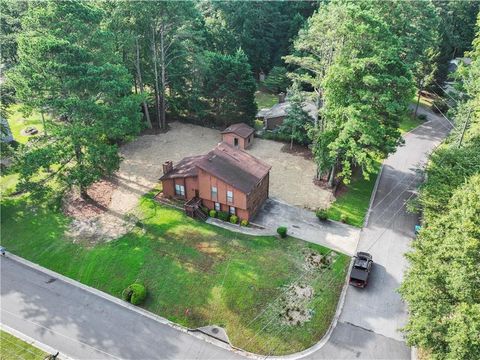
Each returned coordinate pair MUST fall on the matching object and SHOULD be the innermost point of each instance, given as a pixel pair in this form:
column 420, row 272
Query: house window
column 235, row 141
column 179, row 190
column 230, row 196
column 214, row 193
column 217, row 206
column 231, row 210
column 249, row 140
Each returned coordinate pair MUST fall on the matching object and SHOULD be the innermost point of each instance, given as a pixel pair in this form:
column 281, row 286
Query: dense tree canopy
column 442, row 286
column 67, row 67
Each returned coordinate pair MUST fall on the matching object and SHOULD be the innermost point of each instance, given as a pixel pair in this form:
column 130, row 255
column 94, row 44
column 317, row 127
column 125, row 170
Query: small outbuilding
column 238, row 135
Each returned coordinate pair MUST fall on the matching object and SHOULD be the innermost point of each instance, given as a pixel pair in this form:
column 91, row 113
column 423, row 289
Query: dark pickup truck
column 362, row 265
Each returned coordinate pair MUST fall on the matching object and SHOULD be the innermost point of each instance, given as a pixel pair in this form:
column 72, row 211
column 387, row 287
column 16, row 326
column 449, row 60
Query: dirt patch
column 298, row 150
column 295, row 305
column 315, row 261
column 100, row 195
column 93, row 222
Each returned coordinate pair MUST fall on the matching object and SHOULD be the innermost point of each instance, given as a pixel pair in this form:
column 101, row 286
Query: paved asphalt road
column 369, row 324
column 86, row 326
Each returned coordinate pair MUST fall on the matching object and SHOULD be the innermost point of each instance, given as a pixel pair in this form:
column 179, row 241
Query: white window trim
column 179, row 190
column 217, row 206
column 230, row 197
column 232, row 210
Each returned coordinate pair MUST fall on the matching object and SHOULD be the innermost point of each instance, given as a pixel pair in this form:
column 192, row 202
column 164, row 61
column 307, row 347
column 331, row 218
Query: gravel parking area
column 290, row 178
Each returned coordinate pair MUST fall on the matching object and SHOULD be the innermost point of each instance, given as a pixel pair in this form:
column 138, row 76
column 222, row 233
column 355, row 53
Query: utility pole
column 465, row 127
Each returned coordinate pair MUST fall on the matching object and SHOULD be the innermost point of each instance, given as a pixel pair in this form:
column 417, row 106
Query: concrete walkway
column 303, row 224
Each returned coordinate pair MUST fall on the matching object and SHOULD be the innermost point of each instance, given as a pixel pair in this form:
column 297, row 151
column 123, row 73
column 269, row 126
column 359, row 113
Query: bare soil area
column 290, row 178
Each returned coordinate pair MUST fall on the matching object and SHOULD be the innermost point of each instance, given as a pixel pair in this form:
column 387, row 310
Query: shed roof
column 240, row 129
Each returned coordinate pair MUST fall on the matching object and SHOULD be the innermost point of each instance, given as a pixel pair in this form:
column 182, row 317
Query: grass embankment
column 12, row 348
column 196, row 274
column 353, row 204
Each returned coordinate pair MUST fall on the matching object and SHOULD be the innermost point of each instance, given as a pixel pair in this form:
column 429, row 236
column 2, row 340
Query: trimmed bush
column 440, row 105
column 244, row 222
column 205, row 209
column 282, row 231
column 212, row 213
column 321, row 214
column 223, row 215
column 135, row 294
column 422, row 117
column 234, row 219
column 343, row 218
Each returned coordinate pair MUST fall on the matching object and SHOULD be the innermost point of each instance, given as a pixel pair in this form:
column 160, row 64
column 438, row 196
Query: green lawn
column 354, row 202
column 236, row 281
column 265, row 99
column 19, row 121
column 12, row 348
column 409, row 123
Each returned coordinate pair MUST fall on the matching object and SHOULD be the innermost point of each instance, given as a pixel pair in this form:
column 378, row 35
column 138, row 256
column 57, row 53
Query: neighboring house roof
column 234, row 166
column 184, row 168
column 281, row 109
column 240, row 129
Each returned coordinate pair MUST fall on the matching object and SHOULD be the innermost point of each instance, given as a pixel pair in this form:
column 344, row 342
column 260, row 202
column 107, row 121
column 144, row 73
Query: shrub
column 135, row 294
column 244, row 222
column 205, row 209
column 321, row 214
column 343, row 218
column 282, row 231
column 212, row 213
column 439, row 105
column 223, row 215
column 234, row 219
column 258, row 124
column 422, row 117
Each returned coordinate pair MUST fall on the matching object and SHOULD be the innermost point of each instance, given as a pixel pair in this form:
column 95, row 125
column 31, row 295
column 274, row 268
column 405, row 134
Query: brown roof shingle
column 184, row 168
column 236, row 167
column 240, row 129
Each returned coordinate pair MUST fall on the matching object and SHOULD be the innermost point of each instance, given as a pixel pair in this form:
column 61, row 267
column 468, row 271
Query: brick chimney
column 281, row 98
column 167, row 167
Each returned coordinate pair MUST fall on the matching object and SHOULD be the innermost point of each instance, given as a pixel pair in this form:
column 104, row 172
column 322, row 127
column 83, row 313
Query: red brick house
column 226, row 179
column 238, row 135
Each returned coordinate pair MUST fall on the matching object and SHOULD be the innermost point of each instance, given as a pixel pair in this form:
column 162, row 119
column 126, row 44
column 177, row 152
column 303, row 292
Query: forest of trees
column 103, row 71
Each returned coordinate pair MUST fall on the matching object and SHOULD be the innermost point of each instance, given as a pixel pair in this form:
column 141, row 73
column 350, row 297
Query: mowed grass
column 409, row 123
column 196, row 274
column 18, row 122
column 354, row 202
column 265, row 99
column 12, row 348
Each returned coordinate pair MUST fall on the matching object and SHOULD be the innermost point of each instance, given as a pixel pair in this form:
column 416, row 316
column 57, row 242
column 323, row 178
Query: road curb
column 372, row 197
column 33, row 342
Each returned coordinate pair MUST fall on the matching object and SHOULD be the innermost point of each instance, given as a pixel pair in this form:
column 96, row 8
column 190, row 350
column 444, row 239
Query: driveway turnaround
column 303, row 224
column 368, row 327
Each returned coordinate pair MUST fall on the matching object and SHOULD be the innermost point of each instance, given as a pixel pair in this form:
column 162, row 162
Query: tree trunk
column 140, row 85
column 43, row 122
column 331, row 178
column 157, row 88
column 291, row 142
column 163, row 80
column 420, row 89
column 79, row 158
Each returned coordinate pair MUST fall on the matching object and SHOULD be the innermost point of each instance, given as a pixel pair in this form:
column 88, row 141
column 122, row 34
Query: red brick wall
column 190, row 183
column 258, row 196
